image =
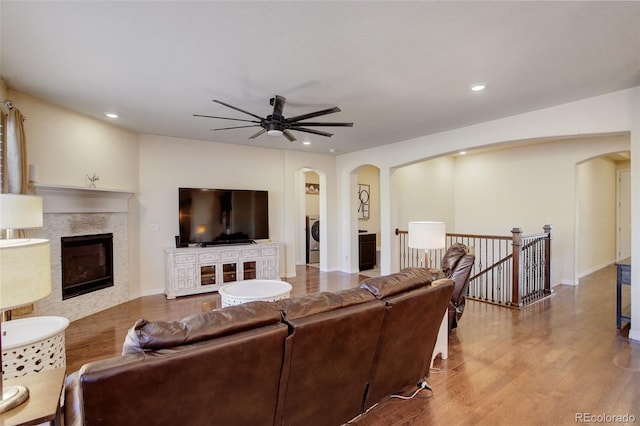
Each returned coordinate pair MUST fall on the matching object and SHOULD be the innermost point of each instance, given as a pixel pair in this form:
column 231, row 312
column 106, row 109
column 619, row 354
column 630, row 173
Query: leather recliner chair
column 457, row 263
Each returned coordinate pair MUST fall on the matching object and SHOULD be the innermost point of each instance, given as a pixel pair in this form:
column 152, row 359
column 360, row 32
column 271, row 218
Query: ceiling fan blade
column 236, row 127
column 297, row 123
column 225, row 118
column 278, row 105
column 315, row 132
column 257, row 134
column 287, row 134
column 238, row 109
column 313, row 114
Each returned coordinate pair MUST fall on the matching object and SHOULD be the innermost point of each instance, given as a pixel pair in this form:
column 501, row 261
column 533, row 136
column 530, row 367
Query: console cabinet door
column 185, row 279
column 269, row 263
column 209, row 276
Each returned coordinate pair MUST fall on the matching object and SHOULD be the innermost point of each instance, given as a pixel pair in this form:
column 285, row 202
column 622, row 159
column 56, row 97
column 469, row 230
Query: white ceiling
column 398, row 70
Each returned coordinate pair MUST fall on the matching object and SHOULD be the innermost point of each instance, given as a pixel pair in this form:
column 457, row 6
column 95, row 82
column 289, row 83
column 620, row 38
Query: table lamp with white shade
column 18, row 211
column 25, row 270
column 25, row 277
column 427, row 236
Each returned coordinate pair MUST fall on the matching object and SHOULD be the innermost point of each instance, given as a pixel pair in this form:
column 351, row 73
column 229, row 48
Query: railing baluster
column 510, row 271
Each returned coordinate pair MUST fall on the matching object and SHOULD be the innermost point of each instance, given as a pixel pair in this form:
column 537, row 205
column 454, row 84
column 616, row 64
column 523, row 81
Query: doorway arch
column 311, row 200
column 602, row 212
column 365, row 217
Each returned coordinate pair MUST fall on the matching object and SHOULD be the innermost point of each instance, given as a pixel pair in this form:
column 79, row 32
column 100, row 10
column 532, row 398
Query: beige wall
column 66, row 146
column 312, row 201
column 370, row 175
column 493, row 191
column 167, row 164
column 426, row 191
column 596, row 215
column 529, row 187
column 4, row 91
column 296, row 163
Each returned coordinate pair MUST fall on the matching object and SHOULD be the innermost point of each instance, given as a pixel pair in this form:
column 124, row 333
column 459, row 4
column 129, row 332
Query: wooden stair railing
column 512, row 271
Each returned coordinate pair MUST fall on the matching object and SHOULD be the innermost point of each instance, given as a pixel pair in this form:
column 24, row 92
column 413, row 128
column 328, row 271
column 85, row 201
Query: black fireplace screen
column 87, row 264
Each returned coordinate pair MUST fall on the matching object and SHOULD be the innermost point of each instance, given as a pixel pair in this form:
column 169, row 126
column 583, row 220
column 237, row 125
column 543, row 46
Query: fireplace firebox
column 87, row 264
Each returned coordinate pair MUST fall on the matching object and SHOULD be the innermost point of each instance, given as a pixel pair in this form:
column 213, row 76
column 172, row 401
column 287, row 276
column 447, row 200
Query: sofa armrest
column 405, row 280
column 72, row 404
column 153, row 335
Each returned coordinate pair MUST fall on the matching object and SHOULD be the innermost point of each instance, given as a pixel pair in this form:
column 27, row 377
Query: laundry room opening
column 312, row 218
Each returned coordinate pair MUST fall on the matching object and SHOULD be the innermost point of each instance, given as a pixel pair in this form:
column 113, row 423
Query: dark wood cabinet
column 623, row 278
column 367, row 251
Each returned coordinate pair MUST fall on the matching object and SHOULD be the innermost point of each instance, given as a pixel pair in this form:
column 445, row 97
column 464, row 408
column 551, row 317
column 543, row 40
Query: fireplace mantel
column 77, row 199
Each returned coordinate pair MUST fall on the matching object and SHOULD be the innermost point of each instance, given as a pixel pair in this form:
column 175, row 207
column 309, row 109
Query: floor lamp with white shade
column 425, row 235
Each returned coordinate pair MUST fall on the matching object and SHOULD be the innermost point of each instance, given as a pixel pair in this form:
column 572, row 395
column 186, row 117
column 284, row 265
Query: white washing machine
column 313, row 239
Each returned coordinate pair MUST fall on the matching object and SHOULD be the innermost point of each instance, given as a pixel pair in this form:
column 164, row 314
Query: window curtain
column 14, row 177
column 14, row 154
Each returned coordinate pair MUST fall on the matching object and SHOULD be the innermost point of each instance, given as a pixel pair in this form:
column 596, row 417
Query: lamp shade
column 25, row 272
column 19, row 211
column 427, row 235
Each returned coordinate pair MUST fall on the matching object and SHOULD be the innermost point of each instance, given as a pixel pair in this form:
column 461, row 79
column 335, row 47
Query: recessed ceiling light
column 332, row 150
column 462, row 152
column 478, row 87
column 306, row 143
column 111, row 114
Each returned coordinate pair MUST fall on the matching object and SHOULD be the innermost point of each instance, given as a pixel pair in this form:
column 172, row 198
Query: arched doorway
column 311, row 201
column 366, row 208
column 603, row 219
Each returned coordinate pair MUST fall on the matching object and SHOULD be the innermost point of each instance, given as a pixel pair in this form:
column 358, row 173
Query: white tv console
column 196, row 270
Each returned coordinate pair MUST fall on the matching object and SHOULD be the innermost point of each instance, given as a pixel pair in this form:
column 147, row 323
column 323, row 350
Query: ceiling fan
column 276, row 124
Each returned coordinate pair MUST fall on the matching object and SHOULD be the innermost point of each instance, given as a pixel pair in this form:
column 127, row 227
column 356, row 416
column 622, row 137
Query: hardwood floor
column 546, row 364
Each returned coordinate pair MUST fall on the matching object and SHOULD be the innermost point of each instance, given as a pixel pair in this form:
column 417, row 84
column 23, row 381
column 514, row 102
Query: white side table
column 34, row 344
column 442, row 344
column 251, row 290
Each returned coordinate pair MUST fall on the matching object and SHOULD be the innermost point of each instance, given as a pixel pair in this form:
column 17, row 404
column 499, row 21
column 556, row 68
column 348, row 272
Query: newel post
column 547, row 259
column 516, row 273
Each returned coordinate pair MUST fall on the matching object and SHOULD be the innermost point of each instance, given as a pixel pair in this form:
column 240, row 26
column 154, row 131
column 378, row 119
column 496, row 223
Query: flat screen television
column 222, row 216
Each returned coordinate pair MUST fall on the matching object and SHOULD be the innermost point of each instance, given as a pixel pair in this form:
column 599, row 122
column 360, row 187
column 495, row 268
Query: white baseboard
column 150, row 292
column 594, row 269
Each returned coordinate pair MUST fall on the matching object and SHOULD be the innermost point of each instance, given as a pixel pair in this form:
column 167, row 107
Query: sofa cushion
column 315, row 303
column 146, row 335
column 229, row 380
column 411, row 325
column 327, row 362
column 407, row 279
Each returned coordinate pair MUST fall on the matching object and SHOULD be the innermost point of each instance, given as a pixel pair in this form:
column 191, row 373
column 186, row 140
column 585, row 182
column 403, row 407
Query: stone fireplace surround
column 73, row 211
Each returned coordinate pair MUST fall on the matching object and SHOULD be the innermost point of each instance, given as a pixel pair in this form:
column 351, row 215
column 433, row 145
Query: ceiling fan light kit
column 276, row 124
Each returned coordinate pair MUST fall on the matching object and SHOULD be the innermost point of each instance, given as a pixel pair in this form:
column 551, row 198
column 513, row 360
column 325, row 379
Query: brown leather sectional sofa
column 317, row 359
